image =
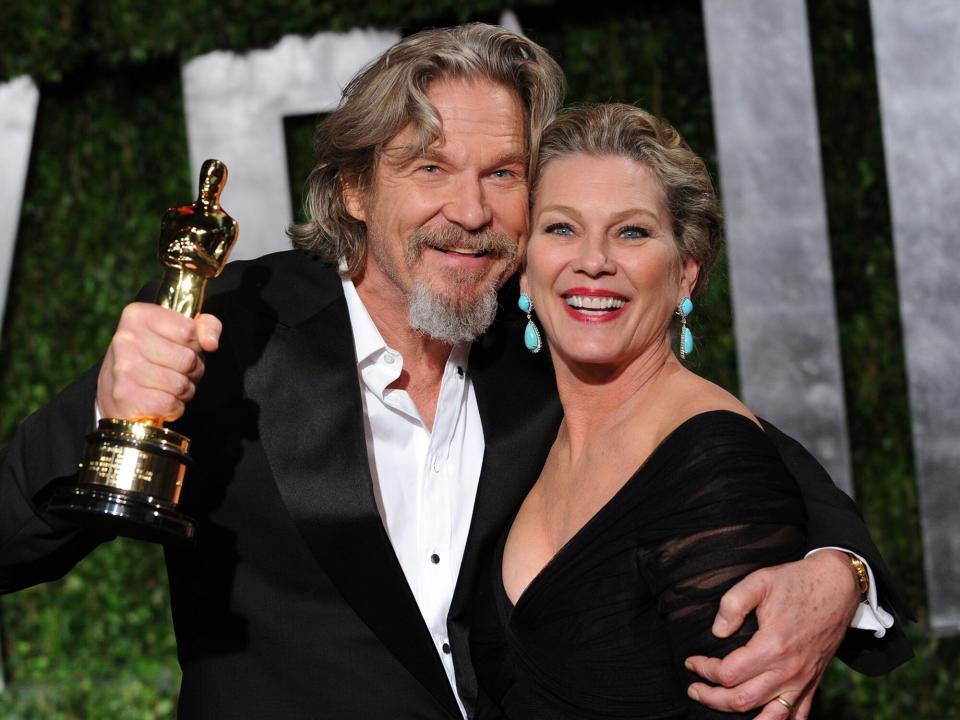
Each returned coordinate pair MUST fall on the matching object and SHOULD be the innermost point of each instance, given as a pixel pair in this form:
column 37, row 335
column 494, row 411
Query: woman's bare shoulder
column 695, row 395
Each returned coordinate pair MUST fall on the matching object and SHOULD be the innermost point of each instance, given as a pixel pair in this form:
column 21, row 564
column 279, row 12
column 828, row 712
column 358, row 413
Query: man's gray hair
column 391, row 93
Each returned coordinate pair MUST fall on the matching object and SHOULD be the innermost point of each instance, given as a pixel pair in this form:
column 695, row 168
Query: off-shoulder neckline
column 668, row 440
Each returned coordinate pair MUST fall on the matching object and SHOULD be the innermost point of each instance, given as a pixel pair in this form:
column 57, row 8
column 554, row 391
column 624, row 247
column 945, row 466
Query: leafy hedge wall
column 110, row 154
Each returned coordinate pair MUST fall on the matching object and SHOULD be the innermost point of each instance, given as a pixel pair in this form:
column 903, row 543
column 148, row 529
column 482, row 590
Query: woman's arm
column 740, row 512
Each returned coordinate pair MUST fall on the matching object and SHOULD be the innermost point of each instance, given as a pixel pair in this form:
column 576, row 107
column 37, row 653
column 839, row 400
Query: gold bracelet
column 861, row 576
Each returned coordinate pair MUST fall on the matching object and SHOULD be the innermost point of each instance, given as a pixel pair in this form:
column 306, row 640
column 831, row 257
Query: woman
column 661, row 490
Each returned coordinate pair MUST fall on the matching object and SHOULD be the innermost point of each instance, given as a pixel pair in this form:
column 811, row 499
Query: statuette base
column 122, row 513
column 129, row 482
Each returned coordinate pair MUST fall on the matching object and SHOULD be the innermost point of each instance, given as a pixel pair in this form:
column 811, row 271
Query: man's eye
column 430, row 169
column 503, row 173
column 558, row 229
column 633, row 231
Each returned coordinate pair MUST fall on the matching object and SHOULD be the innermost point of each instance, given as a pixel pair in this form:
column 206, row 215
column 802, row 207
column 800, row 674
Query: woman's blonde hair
column 390, row 94
column 628, row 131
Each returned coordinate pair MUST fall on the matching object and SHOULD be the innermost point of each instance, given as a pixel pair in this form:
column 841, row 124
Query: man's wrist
column 870, row 615
column 840, row 559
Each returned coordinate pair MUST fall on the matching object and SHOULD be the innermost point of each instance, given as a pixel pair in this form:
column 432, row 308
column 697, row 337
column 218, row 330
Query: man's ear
column 353, row 198
column 522, row 242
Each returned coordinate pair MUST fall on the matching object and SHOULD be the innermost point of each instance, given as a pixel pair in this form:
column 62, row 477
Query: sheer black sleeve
column 736, row 509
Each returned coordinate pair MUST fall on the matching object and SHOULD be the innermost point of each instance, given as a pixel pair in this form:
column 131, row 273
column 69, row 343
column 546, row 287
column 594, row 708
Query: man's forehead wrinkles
column 479, row 126
column 496, row 152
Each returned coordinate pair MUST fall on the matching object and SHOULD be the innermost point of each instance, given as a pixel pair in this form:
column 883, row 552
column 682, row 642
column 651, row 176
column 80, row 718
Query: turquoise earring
column 531, row 336
column 684, row 308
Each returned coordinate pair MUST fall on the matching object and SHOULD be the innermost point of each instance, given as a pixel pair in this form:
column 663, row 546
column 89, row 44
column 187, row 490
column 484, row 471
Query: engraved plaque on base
column 132, row 471
column 129, row 482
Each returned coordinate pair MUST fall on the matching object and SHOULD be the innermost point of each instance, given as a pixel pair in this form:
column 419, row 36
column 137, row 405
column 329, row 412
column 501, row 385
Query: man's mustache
column 453, row 237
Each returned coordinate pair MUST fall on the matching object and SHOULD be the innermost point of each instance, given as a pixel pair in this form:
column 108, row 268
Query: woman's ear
column 524, row 285
column 353, row 198
column 689, row 272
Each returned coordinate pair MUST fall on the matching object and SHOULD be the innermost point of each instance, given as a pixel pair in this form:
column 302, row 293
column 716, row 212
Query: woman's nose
column 594, row 256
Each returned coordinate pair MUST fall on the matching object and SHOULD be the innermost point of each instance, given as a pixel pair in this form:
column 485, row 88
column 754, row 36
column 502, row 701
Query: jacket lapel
column 312, row 428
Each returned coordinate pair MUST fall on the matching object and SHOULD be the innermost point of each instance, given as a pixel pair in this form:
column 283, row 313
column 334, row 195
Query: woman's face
column 602, row 265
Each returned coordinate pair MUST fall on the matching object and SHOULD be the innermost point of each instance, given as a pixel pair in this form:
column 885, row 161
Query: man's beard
column 463, row 314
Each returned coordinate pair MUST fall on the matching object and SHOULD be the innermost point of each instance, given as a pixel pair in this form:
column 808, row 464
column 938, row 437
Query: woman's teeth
column 595, row 303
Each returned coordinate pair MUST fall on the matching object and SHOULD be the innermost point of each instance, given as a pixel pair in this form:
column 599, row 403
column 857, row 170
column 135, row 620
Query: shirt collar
column 367, row 340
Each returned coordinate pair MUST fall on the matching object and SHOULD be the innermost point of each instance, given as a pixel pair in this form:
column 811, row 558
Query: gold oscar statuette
column 132, row 470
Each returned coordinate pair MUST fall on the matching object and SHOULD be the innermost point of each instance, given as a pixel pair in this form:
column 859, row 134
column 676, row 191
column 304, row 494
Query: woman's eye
column 558, row 229
column 633, row 231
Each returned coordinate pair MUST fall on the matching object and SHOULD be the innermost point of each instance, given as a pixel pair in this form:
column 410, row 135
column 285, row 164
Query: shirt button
column 446, row 648
column 434, row 558
column 459, row 371
column 388, row 358
column 436, row 464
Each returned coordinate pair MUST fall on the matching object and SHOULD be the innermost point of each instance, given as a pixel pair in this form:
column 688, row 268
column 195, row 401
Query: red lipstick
column 579, row 315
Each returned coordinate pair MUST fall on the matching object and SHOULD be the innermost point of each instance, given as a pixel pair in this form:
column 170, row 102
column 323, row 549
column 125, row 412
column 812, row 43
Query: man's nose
column 467, row 206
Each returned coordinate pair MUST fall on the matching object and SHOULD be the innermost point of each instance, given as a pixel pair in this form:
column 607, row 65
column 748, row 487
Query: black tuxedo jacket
column 292, row 603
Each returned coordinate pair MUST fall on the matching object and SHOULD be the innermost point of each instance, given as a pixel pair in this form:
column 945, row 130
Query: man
column 355, row 456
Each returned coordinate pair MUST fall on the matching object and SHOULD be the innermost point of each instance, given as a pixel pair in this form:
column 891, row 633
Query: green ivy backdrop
column 110, row 153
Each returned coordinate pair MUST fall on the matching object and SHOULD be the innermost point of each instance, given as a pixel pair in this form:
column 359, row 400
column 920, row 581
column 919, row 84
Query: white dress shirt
column 424, row 482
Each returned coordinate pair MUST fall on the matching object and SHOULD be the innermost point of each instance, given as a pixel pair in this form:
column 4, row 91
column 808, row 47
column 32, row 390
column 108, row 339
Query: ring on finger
column 783, row 701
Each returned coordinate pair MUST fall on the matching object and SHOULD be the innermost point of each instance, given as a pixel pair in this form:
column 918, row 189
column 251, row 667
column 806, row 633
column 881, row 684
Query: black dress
column 603, row 629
